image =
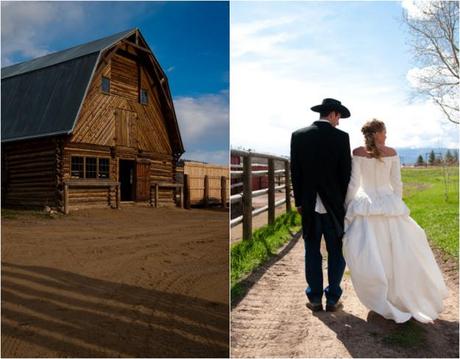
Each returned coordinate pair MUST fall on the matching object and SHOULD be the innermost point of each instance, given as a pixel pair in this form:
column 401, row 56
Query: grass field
column 425, row 195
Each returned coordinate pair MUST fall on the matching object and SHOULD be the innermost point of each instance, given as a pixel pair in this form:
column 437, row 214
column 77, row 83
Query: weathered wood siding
column 29, row 176
column 97, row 121
column 132, row 130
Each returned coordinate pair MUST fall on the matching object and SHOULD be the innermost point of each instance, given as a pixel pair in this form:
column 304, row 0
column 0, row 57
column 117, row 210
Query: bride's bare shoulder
column 360, row 151
column 389, row 151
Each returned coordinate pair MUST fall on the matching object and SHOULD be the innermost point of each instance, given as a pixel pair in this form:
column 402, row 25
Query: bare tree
column 434, row 29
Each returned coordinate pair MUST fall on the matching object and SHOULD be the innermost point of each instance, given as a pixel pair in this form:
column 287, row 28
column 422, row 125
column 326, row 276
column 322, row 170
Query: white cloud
column 204, row 123
column 202, row 118
column 274, row 85
column 26, row 26
column 415, row 9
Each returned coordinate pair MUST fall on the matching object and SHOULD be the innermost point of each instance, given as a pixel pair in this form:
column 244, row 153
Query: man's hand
column 299, row 210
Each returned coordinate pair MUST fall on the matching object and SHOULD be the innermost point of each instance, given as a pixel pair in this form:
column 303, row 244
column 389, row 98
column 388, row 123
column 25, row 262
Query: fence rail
column 245, row 172
column 89, row 184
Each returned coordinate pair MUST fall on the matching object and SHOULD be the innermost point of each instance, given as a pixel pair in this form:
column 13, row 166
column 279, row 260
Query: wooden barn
column 92, row 125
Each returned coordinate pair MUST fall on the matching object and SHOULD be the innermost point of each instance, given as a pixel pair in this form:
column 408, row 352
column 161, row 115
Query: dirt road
column 272, row 320
column 136, row 282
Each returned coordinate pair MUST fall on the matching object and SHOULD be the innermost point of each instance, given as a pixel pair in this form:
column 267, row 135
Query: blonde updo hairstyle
column 369, row 129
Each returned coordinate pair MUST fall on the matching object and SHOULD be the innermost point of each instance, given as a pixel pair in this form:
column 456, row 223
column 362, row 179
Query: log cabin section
column 124, row 137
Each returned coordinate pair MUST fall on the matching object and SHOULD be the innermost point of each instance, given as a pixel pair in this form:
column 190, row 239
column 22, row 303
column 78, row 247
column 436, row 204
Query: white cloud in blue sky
column 287, row 57
column 203, row 118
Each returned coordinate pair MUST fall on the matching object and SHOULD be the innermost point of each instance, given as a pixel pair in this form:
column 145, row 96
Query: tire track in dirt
column 273, row 321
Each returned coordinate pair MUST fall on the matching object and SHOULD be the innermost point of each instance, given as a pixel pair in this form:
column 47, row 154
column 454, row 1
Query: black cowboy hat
column 329, row 104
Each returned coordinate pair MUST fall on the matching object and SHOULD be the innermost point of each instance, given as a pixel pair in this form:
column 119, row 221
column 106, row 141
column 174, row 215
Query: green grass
column 424, row 194
column 249, row 254
column 407, row 335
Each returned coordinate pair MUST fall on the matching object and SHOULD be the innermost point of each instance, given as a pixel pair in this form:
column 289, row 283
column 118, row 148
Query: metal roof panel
column 45, row 101
column 64, row 55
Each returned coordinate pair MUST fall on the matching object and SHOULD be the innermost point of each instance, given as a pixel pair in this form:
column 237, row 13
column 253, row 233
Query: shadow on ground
column 409, row 340
column 77, row 316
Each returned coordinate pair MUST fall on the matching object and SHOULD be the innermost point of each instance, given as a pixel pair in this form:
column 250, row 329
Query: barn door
column 125, row 128
column 143, row 181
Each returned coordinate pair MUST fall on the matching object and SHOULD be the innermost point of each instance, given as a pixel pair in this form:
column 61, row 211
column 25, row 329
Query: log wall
column 30, row 173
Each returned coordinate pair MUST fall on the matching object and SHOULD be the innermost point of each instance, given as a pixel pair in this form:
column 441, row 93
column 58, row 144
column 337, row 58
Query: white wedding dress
column 392, row 267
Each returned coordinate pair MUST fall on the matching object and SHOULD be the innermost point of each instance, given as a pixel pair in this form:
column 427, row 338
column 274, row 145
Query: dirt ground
column 272, row 320
column 134, row 282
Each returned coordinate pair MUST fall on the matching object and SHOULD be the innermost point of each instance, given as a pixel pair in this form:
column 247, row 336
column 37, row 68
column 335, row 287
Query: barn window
column 77, row 167
column 105, row 85
column 91, row 167
column 103, row 168
column 144, row 97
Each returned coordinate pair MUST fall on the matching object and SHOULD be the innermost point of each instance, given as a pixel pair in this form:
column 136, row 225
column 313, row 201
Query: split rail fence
column 245, row 174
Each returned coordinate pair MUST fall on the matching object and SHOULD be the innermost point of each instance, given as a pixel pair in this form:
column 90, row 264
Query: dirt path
column 272, row 320
column 137, row 282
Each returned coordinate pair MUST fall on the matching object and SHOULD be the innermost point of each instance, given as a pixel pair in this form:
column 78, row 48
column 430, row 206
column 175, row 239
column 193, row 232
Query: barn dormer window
column 144, row 98
column 105, row 85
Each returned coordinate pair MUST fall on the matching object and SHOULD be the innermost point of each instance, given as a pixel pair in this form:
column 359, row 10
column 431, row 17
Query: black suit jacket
column 320, row 163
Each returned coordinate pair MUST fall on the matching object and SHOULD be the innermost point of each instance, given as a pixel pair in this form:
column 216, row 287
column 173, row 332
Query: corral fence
column 278, row 178
column 204, row 184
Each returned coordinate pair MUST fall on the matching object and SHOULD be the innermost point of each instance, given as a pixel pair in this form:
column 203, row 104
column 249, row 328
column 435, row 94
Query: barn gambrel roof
column 43, row 97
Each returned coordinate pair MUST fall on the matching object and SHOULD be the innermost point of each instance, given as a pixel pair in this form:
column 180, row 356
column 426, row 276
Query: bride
column 392, row 268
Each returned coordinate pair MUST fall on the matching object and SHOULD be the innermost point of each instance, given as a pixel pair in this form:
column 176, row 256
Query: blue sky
column 190, row 40
column 287, row 57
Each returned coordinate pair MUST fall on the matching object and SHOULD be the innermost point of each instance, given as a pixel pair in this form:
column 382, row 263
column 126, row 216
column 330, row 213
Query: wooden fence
column 205, row 184
column 245, row 173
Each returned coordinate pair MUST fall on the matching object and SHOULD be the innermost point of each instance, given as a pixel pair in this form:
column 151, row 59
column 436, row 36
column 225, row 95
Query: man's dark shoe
column 315, row 307
column 333, row 307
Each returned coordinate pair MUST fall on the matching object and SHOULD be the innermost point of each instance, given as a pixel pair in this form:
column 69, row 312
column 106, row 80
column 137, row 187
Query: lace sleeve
column 355, row 180
column 395, row 177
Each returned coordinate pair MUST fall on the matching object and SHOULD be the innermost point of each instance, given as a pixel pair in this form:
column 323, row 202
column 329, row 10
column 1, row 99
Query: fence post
column 118, row 195
column 66, row 198
column 206, row 191
column 157, row 195
column 271, row 191
column 247, row 197
column 187, row 191
column 181, row 191
column 287, row 181
column 223, row 191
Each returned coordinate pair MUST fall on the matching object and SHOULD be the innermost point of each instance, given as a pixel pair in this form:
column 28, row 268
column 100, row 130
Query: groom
column 321, row 168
